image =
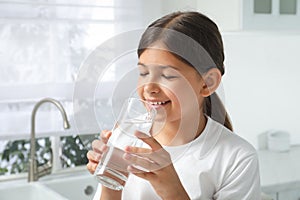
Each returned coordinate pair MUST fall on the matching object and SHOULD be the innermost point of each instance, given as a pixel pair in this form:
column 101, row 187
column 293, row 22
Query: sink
column 28, row 191
column 67, row 185
column 76, row 186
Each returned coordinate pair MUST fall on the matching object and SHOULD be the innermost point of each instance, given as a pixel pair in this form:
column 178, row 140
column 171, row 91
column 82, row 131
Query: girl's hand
column 99, row 147
column 94, row 156
column 160, row 170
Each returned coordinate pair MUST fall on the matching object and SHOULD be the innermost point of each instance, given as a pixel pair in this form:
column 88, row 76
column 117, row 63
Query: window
column 42, row 45
column 288, row 7
column 14, row 154
column 263, row 6
column 271, row 14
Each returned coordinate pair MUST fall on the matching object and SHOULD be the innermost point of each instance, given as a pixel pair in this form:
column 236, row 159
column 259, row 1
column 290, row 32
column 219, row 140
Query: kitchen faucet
column 36, row 172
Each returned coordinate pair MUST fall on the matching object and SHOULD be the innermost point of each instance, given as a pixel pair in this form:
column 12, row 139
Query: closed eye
column 144, row 74
column 169, row 77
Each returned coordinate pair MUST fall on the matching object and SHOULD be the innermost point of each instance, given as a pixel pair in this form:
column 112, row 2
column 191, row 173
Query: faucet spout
column 34, row 171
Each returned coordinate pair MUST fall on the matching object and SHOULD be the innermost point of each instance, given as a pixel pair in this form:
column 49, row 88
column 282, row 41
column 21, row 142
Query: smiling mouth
column 157, row 104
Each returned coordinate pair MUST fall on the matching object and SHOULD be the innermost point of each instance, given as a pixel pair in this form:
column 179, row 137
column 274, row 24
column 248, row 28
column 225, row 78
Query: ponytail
column 214, row 108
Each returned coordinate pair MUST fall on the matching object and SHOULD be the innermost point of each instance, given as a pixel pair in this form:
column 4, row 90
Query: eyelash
column 169, row 77
column 165, row 76
column 144, row 74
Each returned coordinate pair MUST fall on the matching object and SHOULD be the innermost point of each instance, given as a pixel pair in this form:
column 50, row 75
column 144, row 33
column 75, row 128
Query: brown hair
column 196, row 40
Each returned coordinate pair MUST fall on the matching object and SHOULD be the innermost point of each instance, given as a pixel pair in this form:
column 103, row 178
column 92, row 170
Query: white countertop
column 280, row 170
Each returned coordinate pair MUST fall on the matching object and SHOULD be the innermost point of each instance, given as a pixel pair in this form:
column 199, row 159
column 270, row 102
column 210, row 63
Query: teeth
column 158, row 103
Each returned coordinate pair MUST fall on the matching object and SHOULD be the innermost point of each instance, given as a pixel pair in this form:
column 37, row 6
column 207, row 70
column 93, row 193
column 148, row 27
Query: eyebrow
column 160, row 66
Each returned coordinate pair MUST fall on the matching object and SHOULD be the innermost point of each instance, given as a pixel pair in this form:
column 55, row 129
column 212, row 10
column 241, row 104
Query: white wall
column 178, row 5
column 262, row 82
column 227, row 14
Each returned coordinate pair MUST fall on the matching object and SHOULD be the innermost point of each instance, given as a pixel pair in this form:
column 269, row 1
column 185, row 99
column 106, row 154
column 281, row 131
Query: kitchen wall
column 262, row 82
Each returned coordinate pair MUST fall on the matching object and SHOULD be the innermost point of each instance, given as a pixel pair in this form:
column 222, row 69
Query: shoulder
column 220, row 140
column 229, row 139
column 230, row 162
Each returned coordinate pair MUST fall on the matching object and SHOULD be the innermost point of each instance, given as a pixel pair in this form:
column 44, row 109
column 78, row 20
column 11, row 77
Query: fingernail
column 107, row 134
column 103, row 148
column 98, row 157
column 138, row 134
column 127, row 156
column 127, row 148
column 141, row 135
column 130, row 168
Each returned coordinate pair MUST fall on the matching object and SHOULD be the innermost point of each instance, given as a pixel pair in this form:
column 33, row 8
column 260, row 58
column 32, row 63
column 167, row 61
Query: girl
column 193, row 152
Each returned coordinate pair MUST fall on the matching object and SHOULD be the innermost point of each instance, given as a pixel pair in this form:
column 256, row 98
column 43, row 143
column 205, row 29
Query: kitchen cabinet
column 289, row 195
column 280, row 177
column 270, row 15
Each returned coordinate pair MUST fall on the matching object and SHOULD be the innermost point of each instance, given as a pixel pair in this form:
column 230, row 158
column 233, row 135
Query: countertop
column 279, row 171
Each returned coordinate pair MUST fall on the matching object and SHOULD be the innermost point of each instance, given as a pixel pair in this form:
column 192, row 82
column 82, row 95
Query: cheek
column 187, row 97
column 173, row 94
column 140, row 89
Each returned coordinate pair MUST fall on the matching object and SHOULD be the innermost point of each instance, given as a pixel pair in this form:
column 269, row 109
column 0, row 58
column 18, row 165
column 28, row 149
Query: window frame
column 272, row 21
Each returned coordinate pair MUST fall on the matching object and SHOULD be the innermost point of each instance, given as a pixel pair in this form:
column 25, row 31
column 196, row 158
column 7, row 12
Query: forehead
column 161, row 57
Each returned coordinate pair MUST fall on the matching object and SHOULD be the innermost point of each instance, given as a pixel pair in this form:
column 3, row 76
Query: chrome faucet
column 36, row 172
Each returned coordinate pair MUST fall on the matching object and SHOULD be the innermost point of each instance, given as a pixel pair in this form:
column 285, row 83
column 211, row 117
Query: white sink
column 28, row 191
column 67, row 185
column 74, row 186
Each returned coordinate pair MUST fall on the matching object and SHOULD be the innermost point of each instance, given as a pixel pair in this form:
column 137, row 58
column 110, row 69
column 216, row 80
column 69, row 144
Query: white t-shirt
column 217, row 165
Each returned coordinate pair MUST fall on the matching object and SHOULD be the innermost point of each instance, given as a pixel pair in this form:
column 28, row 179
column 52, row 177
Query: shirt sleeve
column 242, row 181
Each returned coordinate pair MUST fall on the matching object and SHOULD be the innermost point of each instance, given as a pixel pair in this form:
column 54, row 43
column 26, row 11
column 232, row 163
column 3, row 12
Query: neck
column 178, row 132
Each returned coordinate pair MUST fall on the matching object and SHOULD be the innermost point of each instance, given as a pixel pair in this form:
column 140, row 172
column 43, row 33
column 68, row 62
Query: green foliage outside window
column 14, row 158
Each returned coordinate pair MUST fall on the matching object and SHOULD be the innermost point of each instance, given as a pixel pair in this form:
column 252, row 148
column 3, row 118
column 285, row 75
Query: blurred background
column 43, row 43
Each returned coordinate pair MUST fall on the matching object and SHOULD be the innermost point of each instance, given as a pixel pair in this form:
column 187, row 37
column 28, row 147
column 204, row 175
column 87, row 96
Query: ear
column 211, row 81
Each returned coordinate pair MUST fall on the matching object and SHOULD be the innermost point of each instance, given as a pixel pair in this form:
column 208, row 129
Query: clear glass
column 135, row 115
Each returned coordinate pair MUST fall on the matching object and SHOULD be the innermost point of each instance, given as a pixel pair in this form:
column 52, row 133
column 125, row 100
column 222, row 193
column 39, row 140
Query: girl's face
column 170, row 85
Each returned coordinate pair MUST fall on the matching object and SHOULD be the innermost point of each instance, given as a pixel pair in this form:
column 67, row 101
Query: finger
column 91, row 166
column 145, row 163
column 105, row 135
column 98, row 146
column 161, row 157
column 137, row 150
column 140, row 173
column 148, row 140
column 136, row 170
column 93, row 156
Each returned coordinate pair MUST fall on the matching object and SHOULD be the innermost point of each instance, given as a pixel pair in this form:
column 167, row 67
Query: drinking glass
column 135, row 114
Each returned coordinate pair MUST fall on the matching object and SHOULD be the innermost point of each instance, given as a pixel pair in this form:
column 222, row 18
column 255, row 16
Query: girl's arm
column 104, row 193
column 242, row 182
column 108, row 194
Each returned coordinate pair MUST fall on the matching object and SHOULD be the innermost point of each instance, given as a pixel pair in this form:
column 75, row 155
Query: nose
column 151, row 88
